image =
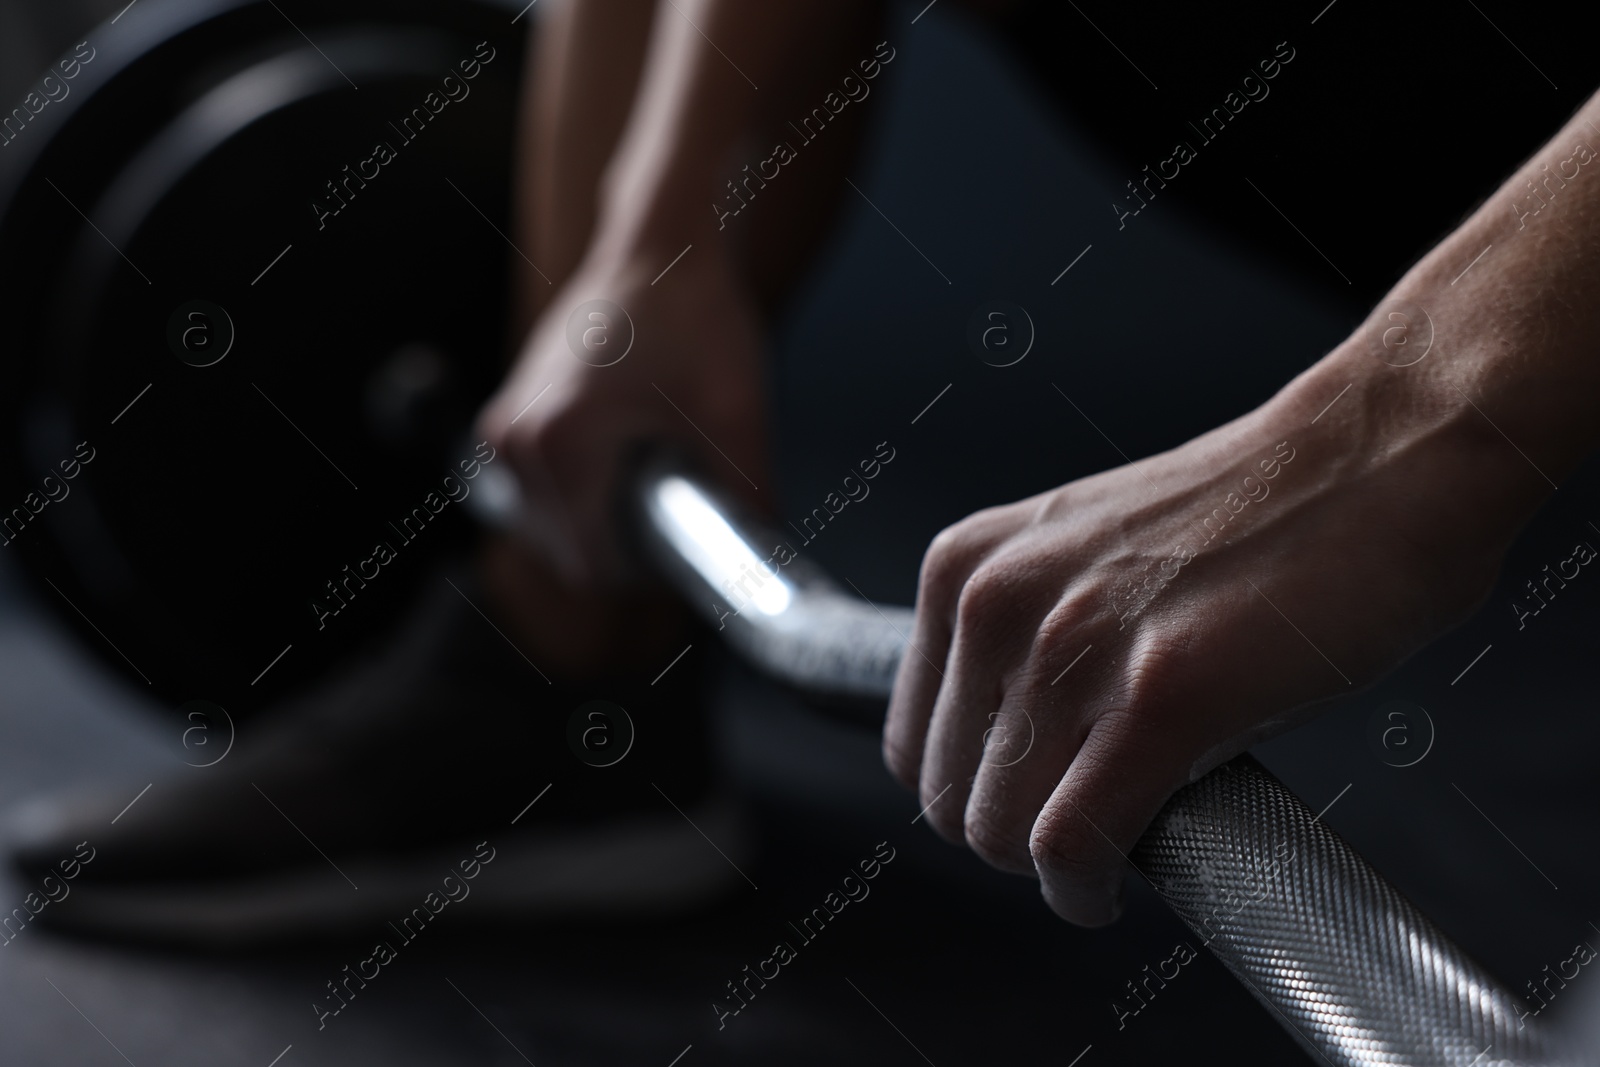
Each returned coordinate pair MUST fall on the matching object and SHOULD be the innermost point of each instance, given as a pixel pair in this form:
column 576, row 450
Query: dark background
column 968, row 161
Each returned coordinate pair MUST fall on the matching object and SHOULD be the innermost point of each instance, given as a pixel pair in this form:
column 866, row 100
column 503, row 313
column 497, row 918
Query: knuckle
column 1152, row 676
column 902, row 764
column 1061, row 636
column 995, row 843
column 983, row 597
column 1062, row 845
column 958, row 549
column 941, row 564
column 497, row 427
column 495, row 431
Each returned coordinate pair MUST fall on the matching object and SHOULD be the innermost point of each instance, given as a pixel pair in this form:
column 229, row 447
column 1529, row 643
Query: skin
column 1387, row 527
column 583, row 76
column 633, row 123
column 1383, row 521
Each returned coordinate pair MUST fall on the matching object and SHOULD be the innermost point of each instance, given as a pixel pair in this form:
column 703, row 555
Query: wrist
column 650, row 213
column 655, row 226
column 1447, row 430
column 659, row 195
column 1481, row 360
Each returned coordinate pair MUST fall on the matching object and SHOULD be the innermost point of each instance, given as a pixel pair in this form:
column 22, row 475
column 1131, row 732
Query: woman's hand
column 1079, row 655
column 680, row 363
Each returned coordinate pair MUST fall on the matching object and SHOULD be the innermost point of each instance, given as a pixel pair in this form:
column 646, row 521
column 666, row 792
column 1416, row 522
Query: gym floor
column 962, row 962
column 947, row 962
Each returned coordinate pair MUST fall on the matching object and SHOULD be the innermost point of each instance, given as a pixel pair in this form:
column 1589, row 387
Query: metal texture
column 787, row 618
column 1349, row 966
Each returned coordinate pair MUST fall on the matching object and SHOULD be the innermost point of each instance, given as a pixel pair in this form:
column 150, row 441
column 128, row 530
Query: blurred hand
column 570, row 411
column 1079, row 655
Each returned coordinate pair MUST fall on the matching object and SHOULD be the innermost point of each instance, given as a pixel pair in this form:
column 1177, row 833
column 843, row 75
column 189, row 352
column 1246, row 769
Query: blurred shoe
column 352, row 805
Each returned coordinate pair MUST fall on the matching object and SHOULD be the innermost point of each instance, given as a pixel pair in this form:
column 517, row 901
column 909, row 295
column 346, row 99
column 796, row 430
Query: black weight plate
column 264, row 386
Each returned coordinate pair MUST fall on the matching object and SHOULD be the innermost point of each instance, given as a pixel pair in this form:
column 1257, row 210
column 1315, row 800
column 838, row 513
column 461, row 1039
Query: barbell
column 255, row 270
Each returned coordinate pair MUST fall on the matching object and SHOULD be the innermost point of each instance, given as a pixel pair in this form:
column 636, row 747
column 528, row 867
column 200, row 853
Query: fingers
column 539, row 428
column 566, row 435
column 554, row 519
column 1083, row 836
column 954, row 742
column 1036, row 733
column 569, row 426
column 1032, row 746
column 950, row 560
column 916, row 686
column 991, row 625
column 734, row 448
column 1038, row 777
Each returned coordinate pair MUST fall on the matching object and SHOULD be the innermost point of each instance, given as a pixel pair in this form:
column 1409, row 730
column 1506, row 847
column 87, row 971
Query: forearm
column 698, row 100
column 1505, row 401
column 1370, row 501
column 587, row 56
